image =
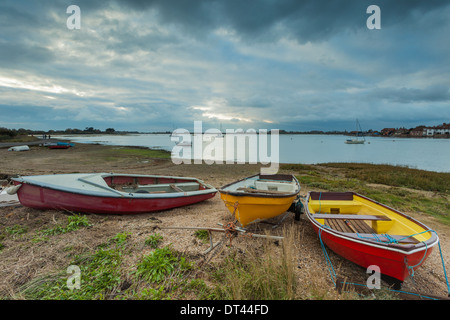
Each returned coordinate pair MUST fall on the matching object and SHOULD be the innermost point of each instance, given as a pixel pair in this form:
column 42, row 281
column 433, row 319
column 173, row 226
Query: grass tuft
column 160, row 263
column 74, row 222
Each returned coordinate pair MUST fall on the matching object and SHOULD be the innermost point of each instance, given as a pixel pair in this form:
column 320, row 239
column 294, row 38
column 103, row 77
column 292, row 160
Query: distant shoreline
column 281, row 133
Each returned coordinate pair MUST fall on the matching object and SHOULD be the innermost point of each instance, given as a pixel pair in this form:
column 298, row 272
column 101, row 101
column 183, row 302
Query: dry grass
column 265, row 273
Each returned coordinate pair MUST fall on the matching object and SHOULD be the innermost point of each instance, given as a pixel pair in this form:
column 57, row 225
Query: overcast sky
column 267, row 64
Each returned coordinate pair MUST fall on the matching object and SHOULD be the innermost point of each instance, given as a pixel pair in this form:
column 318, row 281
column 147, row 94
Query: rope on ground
column 410, row 268
column 327, row 257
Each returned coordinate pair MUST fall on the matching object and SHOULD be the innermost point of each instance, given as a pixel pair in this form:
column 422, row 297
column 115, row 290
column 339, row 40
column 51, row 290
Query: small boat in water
column 109, row 193
column 260, row 197
column 369, row 233
column 356, row 140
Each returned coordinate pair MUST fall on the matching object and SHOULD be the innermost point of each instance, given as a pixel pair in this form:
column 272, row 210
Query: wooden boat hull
column 254, row 206
column 110, row 202
column 391, row 263
column 396, row 260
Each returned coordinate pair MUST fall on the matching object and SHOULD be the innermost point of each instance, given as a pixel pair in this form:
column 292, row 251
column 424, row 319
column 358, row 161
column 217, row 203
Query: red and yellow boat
column 368, row 233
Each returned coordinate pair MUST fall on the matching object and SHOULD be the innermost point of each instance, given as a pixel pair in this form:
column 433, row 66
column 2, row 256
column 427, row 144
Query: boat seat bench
column 350, row 217
column 250, row 190
column 164, row 188
column 349, row 227
column 380, row 223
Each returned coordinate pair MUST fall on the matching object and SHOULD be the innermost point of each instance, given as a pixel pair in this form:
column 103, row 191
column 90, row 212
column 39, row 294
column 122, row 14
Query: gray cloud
column 305, row 20
column 146, row 65
column 408, row 95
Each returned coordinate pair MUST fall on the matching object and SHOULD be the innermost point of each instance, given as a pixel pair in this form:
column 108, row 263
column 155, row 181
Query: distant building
column 417, row 132
column 387, row 131
column 401, row 131
column 443, row 129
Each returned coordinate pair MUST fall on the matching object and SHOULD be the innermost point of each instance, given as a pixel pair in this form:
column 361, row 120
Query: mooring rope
column 390, row 239
column 327, row 257
column 410, row 268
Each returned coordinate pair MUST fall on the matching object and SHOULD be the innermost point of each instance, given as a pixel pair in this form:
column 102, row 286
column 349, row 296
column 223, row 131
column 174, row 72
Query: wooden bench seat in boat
column 251, row 190
column 163, row 188
column 360, row 230
column 346, row 226
column 350, row 216
column 341, row 222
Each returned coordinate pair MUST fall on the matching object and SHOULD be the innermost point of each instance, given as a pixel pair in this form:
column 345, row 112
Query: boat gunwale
column 256, row 194
column 404, row 249
column 113, row 193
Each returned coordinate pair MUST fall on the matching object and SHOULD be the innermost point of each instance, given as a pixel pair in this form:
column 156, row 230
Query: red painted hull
column 46, row 198
column 395, row 260
column 391, row 263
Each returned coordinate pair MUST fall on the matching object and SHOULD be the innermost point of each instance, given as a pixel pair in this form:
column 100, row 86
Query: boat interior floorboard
column 354, row 226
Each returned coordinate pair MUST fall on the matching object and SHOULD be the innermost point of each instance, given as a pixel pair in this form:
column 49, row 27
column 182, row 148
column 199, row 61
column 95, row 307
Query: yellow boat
column 260, row 197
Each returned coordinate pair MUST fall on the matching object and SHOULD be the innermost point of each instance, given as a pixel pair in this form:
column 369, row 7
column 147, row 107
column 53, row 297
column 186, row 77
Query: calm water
column 426, row 154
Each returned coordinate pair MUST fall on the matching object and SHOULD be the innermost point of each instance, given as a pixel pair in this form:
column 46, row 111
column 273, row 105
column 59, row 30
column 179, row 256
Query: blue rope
column 399, row 291
column 327, row 257
column 440, row 252
column 411, row 268
column 443, row 265
column 390, row 240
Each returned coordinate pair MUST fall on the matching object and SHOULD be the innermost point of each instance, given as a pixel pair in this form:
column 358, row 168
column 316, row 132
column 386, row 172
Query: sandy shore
column 21, row 260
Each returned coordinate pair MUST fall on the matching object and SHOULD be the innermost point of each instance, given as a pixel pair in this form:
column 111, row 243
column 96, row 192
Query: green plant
column 74, row 222
column 202, row 235
column 200, row 289
column 152, row 294
column 160, row 263
column 16, row 230
column 398, row 176
column 140, row 152
column 121, row 238
column 153, row 240
column 100, row 278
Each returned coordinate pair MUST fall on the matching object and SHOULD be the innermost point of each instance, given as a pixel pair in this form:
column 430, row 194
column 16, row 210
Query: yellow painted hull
column 260, row 197
column 252, row 209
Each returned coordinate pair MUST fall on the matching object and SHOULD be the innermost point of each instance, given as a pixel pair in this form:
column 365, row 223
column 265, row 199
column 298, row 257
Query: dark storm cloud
column 408, row 95
column 288, row 61
column 270, row 19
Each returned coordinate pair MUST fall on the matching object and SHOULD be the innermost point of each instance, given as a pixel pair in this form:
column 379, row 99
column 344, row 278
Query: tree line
column 11, row 133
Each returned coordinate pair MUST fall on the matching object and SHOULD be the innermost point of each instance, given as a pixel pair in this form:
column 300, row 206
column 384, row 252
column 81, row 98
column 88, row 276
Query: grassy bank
column 19, row 138
column 137, row 152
